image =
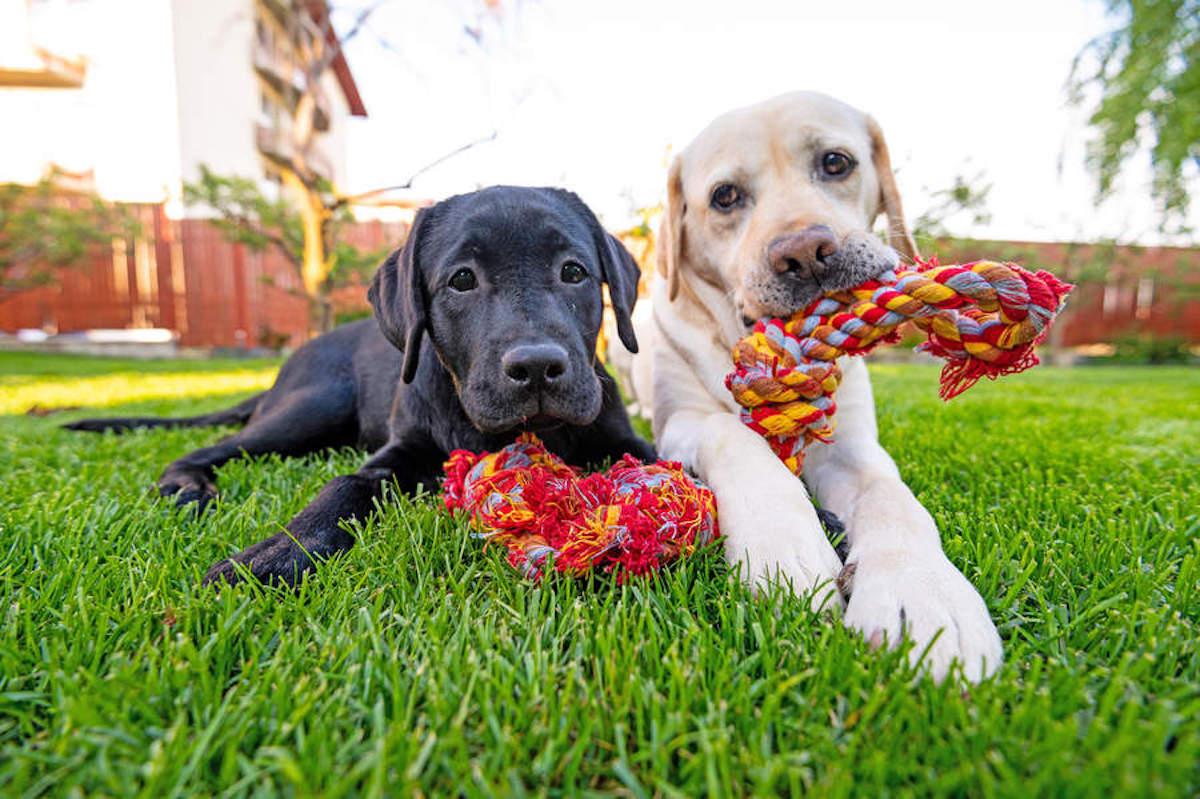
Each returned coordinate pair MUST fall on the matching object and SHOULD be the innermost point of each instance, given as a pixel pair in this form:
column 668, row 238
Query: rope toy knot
column 983, row 318
column 629, row 520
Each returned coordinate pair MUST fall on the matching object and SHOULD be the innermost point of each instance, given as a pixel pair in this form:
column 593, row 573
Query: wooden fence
column 184, row 276
column 1121, row 290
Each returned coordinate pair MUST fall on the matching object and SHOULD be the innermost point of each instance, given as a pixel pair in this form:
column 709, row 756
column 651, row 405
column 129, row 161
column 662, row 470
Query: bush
column 346, row 317
column 1146, row 348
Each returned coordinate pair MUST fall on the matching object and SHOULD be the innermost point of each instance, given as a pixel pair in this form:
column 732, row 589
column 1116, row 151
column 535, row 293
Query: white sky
column 593, row 96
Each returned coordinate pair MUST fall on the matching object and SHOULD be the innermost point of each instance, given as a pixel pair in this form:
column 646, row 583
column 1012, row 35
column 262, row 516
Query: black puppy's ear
column 398, row 296
column 622, row 273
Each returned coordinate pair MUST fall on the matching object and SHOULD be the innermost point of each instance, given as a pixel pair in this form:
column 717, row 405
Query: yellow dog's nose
column 802, row 253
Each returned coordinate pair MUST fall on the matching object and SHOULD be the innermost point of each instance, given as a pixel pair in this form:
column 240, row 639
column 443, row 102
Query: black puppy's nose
column 535, row 365
column 803, row 254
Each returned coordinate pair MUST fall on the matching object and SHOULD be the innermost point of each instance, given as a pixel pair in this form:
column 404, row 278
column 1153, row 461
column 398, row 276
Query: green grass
column 420, row 664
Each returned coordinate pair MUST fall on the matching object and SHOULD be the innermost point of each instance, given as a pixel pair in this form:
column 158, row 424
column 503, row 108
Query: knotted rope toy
column 630, row 520
column 984, row 318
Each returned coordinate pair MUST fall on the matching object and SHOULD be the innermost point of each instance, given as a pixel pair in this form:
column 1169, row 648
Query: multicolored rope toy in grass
column 984, row 318
column 629, row 520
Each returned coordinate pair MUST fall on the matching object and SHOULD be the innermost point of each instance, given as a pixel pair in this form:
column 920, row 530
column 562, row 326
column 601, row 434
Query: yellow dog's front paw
column 803, row 564
column 896, row 594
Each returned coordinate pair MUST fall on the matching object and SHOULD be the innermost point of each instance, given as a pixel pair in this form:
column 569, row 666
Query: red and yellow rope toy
column 629, row 520
column 984, row 318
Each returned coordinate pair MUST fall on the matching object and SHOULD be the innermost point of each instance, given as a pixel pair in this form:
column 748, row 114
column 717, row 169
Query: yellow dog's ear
column 670, row 231
column 898, row 236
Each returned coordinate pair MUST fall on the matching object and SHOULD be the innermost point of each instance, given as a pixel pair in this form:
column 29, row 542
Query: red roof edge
column 341, row 69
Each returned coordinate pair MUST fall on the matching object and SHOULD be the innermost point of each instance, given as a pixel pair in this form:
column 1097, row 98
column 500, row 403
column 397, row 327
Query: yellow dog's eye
column 726, row 197
column 836, row 164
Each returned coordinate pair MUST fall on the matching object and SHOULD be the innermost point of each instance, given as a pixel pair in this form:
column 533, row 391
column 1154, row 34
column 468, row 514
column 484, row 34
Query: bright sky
column 593, row 96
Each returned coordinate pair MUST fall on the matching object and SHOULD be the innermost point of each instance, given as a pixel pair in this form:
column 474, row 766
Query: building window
column 268, row 109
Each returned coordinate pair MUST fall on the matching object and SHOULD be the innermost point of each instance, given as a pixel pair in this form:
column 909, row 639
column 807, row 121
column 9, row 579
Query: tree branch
column 241, row 221
column 334, row 48
column 314, row 17
column 408, row 183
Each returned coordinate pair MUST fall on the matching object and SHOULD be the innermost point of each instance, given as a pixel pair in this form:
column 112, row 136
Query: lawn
column 420, row 663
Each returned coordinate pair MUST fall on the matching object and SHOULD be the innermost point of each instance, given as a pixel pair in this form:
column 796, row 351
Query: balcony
column 275, row 143
column 287, row 80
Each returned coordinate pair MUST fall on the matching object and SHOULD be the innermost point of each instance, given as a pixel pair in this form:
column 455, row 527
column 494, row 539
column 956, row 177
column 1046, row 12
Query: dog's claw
column 845, row 580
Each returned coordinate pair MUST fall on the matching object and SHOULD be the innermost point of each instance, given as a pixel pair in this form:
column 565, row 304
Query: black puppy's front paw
column 642, row 450
column 835, row 530
column 187, row 487
column 275, row 561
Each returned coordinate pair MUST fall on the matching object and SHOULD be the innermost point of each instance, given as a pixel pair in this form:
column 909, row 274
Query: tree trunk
column 314, row 265
column 322, row 314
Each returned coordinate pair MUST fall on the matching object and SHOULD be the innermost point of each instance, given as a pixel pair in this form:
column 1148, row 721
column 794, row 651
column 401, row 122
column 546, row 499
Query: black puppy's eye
column 463, row 280
column 726, row 197
column 573, row 273
column 836, row 164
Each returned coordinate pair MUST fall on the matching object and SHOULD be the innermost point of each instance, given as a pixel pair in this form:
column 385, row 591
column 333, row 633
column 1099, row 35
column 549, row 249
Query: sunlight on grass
column 18, row 393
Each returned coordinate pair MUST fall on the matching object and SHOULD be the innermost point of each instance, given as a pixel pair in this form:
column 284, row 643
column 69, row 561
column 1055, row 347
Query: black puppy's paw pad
column 187, row 489
column 236, row 571
column 277, row 561
column 222, row 573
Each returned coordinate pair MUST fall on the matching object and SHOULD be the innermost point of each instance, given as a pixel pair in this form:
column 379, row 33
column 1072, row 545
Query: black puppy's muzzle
column 535, row 367
column 531, row 384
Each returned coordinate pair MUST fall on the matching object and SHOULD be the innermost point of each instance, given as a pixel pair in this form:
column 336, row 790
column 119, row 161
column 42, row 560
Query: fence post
column 241, row 312
column 162, row 262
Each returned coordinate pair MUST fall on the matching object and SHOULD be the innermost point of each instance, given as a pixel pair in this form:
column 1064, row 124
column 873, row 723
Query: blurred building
column 126, row 99
column 134, row 95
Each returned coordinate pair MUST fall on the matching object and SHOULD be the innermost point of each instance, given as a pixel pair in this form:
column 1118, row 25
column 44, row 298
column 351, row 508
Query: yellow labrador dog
column 769, row 207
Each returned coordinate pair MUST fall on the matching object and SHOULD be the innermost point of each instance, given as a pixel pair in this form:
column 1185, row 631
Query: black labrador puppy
column 485, row 326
